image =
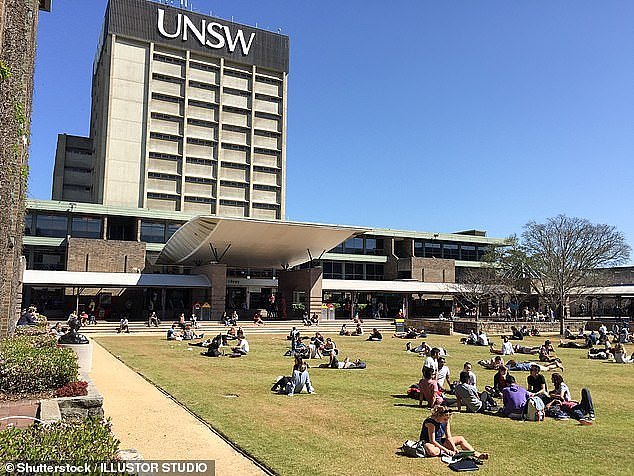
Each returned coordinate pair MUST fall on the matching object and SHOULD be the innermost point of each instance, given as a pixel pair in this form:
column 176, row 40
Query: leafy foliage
column 87, row 441
column 73, row 389
column 34, row 363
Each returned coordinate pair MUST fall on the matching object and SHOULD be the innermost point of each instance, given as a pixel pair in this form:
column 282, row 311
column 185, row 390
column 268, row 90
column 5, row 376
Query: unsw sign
column 208, row 33
column 161, row 24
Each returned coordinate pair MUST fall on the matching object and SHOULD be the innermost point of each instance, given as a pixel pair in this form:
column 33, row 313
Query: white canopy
column 389, row 286
column 251, row 242
column 113, row 280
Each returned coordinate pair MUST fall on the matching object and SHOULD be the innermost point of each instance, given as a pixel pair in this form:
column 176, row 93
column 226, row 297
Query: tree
column 563, row 254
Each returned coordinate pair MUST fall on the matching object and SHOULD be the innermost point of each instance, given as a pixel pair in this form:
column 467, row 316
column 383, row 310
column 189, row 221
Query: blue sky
column 422, row 115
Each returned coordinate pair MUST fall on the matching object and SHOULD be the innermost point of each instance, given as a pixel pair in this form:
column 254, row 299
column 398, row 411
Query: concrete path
column 145, row 419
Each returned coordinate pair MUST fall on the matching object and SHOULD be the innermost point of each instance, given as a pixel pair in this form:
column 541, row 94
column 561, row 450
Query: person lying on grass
column 437, row 437
column 346, row 364
column 422, row 349
column 492, row 364
column 514, row 366
column 523, row 349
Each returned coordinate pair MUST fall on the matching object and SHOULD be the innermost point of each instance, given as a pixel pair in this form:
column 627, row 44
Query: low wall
column 90, row 405
column 464, row 326
column 432, row 326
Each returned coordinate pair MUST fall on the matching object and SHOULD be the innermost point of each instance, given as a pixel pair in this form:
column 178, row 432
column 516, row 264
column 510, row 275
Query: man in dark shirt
column 537, row 384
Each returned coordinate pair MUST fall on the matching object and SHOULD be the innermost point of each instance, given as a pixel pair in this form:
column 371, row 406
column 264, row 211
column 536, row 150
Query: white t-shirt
column 443, row 373
column 565, row 392
column 482, row 339
column 507, row 348
column 431, row 362
column 244, row 346
column 472, row 378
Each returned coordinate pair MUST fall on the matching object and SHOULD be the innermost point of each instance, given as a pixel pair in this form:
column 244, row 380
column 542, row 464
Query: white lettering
column 212, row 30
column 214, row 35
column 189, row 25
column 161, row 25
column 239, row 36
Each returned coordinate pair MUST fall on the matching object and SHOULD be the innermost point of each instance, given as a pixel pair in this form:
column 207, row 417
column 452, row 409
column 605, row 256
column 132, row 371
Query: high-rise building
column 188, row 114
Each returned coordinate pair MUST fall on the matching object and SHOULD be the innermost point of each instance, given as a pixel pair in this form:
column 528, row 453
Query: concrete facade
column 74, row 165
column 306, row 282
column 182, row 130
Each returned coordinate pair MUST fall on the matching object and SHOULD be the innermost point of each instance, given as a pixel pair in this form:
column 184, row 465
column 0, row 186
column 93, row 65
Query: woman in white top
column 620, row 356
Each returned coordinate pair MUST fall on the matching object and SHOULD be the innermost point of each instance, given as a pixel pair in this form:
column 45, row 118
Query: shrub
column 73, row 389
column 87, row 441
column 32, row 364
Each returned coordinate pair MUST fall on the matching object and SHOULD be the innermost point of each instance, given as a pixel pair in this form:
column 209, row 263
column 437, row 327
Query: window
column 433, row 250
column 450, row 251
column 86, row 227
column 337, row 249
column 152, row 232
column 28, row 224
column 354, row 271
column 482, row 250
column 49, row 259
column 374, row 271
column 54, row 226
column 468, row 252
column 170, row 229
column 333, row 270
column 353, row 246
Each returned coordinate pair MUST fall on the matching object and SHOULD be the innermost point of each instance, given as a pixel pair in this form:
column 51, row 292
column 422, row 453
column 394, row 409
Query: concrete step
column 212, row 328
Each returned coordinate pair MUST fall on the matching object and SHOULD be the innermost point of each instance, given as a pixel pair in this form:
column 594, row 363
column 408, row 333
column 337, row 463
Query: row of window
column 59, row 226
column 360, row 245
column 338, row 270
column 459, row 251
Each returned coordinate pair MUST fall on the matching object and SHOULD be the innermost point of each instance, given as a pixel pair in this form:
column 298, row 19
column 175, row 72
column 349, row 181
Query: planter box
column 84, row 355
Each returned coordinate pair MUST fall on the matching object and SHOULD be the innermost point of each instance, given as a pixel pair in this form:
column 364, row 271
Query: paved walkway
column 145, row 419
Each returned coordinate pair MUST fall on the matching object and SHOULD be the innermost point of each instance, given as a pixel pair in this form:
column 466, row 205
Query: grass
column 355, row 424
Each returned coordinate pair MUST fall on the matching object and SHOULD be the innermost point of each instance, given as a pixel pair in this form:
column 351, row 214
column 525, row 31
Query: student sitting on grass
column 469, row 396
column 514, row 366
column 343, row 331
column 620, row 355
column 501, row 380
column 171, row 333
column 299, row 382
column 329, row 347
column 537, row 384
column 436, row 435
column 516, row 334
column 443, row 374
column 547, row 353
column 241, row 349
column 507, row 348
column 375, row 335
column 429, row 391
column 358, row 330
column 514, row 398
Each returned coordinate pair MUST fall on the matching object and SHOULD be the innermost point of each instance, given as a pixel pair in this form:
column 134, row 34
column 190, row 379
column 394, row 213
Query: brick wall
column 434, row 270
column 305, row 280
column 106, row 256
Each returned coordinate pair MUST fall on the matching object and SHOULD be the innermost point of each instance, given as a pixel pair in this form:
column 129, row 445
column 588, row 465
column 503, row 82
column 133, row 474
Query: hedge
column 86, row 441
column 33, row 363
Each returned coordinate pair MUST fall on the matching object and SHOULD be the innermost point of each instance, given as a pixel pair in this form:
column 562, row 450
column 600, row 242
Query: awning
column 251, row 242
column 113, row 280
column 624, row 291
column 389, row 286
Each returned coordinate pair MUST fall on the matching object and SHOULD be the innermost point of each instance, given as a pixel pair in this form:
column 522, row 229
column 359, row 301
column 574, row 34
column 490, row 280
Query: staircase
column 105, row 328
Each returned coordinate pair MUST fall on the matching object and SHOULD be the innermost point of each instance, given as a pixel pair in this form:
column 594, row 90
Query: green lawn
column 355, row 424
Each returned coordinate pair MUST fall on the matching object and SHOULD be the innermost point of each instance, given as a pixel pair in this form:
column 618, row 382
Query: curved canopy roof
column 251, row 242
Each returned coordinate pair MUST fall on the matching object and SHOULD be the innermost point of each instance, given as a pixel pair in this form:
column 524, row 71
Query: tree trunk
column 563, row 315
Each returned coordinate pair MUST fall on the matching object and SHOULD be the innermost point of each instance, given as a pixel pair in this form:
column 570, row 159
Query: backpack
column 414, row 449
column 414, row 392
column 534, row 410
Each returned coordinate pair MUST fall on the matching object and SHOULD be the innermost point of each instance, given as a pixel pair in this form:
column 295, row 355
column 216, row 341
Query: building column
column 217, row 275
column 308, row 281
